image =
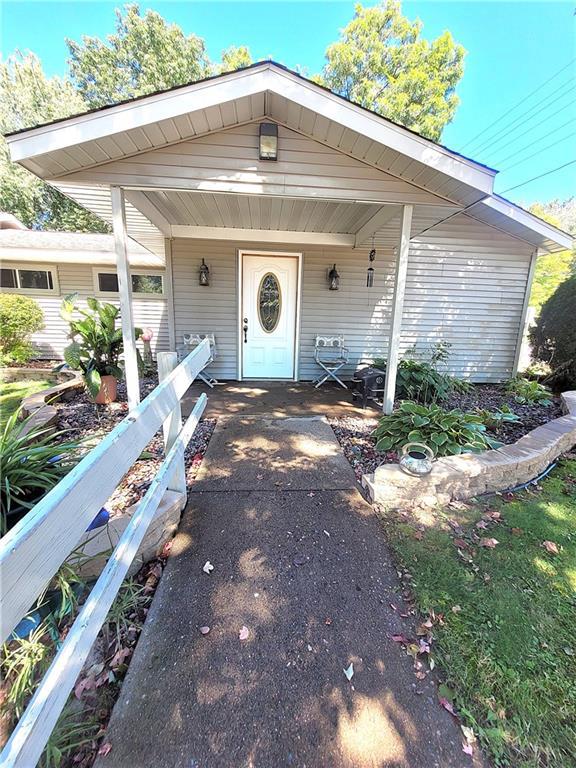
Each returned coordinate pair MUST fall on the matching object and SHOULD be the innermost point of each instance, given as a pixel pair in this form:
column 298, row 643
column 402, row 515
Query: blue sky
column 513, row 48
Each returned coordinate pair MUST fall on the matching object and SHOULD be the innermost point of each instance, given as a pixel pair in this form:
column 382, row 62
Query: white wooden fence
column 33, row 551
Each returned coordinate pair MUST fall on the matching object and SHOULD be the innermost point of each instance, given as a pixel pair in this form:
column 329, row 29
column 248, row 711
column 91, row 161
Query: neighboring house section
column 50, row 265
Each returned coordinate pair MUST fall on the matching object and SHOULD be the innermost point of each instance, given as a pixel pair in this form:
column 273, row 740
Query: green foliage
column 146, row 54
column 553, row 268
column 382, row 62
column 506, row 646
column 421, row 380
column 553, row 338
column 31, row 463
column 528, row 391
column 447, row 432
column 20, row 317
column 28, row 98
column 12, row 393
column 97, row 353
column 235, row 57
column 495, row 419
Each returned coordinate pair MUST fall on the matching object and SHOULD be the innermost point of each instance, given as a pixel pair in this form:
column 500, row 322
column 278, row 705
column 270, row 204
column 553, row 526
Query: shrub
column 421, row 380
column 446, row 431
column 20, row 317
column 528, row 391
column 31, row 463
column 98, row 352
column 553, row 338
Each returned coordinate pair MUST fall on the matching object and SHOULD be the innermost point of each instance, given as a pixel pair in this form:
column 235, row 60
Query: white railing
column 33, row 551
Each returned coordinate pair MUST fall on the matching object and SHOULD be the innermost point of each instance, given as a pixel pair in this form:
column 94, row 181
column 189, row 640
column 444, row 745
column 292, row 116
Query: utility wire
column 523, row 101
column 543, row 136
column 541, row 176
column 533, row 127
column 528, row 115
column 539, row 152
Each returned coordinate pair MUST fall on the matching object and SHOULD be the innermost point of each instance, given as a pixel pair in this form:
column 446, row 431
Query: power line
column 528, row 115
column 534, row 178
column 532, row 128
column 523, row 101
column 539, row 152
column 543, row 136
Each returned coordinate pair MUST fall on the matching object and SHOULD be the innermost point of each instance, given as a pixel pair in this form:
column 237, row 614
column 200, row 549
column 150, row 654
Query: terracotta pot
column 107, row 393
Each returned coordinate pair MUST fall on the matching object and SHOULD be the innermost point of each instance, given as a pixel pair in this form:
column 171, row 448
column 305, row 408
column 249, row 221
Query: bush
column 528, row 391
column 20, row 317
column 31, row 463
column 447, row 432
column 553, row 338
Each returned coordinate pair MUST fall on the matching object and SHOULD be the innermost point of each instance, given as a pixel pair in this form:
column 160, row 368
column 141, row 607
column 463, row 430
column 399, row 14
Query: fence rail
column 32, row 552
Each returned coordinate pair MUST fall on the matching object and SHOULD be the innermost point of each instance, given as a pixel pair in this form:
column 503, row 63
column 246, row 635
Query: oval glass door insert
column 269, row 302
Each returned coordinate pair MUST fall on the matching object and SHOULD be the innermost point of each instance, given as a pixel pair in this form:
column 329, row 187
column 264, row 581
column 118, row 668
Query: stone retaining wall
column 468, row 475
column 42, row 413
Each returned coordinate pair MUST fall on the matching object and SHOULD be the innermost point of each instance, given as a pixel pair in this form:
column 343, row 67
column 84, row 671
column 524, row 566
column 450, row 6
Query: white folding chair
column 191, row 341
column 331, row 355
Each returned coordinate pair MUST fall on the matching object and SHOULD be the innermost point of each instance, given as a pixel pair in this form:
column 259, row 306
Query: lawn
column 11, row 394
column 507, row 644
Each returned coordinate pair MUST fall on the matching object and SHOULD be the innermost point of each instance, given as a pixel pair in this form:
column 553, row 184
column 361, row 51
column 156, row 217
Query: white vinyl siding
column 77, row 278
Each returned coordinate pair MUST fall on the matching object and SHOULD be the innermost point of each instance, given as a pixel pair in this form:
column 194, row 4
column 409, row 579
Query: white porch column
column 397, row 307
column 125, row 291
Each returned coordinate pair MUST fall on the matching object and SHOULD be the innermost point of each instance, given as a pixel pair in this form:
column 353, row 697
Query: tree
column 552, row 269
column 146, row 54
column 382, row 63
column 553, row 338
column 235, row 57
column 28, row 98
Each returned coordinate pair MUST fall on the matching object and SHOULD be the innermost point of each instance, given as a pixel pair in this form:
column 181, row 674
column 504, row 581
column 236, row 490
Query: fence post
column 167, row 361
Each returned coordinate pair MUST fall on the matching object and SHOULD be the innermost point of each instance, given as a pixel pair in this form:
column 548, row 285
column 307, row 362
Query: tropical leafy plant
column 528, row 392
column 97, row 342
column 446, row 431
column 31, row 463
column 20, row 317
column 495, row 419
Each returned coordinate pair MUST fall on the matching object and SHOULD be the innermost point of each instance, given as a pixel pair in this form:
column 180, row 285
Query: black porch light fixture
column 204, row 274
column 268, row 145
column 333, row 279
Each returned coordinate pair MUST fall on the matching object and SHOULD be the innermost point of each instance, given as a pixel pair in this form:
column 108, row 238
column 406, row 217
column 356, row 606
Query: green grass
column 509, row 655
column 11, row 394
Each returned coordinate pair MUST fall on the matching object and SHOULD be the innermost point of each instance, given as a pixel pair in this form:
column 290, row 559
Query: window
column 29, row 279
column 143, row 283
column 269, row 302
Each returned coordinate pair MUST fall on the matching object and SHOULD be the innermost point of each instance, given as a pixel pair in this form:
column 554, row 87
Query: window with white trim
column 29, row 278
column 143, row 283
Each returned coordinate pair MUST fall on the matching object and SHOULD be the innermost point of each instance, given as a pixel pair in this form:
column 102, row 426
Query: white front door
column 268, row 332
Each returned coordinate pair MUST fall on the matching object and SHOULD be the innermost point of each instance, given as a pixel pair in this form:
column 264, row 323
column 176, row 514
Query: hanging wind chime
column 370, row 272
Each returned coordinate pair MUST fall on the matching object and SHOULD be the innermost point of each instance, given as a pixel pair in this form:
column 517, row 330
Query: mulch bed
column 355, row 434
column 84, row 421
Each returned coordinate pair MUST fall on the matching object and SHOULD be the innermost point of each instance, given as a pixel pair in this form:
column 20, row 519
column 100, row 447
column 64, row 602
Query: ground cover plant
column 499, row 578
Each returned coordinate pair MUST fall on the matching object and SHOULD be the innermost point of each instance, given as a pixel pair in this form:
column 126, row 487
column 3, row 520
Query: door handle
column 245, row 329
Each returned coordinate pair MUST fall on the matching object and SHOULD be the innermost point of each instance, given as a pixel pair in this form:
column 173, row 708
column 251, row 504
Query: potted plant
column 96, row 346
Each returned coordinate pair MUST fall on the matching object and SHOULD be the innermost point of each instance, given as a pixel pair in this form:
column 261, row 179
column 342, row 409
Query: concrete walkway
column 300, row 560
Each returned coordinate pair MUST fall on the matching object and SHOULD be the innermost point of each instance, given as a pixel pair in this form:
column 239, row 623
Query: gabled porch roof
column 87, row 154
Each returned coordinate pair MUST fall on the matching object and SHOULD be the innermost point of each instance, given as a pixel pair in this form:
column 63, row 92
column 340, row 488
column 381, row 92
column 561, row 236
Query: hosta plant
column 96, row 341
column 495, row 419
column 528, row 392
column 31, row 463
column 447, row 432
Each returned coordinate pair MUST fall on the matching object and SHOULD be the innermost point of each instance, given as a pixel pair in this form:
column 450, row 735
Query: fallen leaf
column 349, row 672
column 207, row 567
column 460, row 543
column 418, row 535
column 516, row 531
column 489, row 543
column 482, row 524
column 400, row 639
column 105, row 749
column 456, row 609
column 568, row 651
column 447, row 705
column 327, row 621
column 468, row 749
column 204, row 630
column 551, row 547
column 244, row 633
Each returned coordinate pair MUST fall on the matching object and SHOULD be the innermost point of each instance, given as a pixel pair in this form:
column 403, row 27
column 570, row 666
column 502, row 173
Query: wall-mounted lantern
column 333, row 279
column 268, row 146
column 204, row 274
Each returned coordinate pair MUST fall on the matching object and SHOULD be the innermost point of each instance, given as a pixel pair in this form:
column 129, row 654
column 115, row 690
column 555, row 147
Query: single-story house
column 50, row 265
column 286, row 191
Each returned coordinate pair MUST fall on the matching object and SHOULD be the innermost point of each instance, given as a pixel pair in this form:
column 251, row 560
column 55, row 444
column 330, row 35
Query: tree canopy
column 235, row 57
column 146, row 54
column 382, row 62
